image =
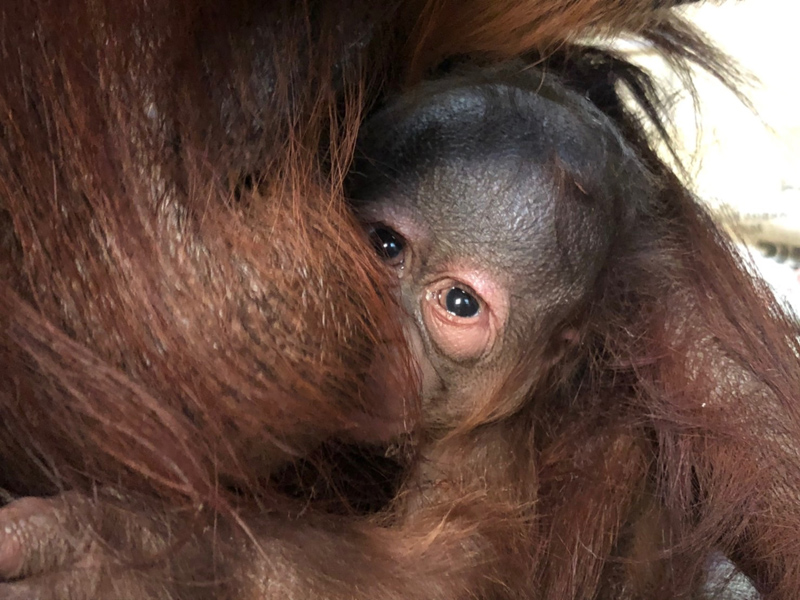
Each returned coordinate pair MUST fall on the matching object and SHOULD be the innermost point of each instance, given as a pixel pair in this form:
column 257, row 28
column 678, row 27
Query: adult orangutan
column 190, row 306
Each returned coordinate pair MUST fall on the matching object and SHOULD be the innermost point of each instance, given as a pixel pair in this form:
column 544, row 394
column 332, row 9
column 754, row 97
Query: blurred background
column 745, row 161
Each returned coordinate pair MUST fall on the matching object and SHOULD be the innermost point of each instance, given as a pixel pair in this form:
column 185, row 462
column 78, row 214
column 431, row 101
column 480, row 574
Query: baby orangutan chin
column 599, row 408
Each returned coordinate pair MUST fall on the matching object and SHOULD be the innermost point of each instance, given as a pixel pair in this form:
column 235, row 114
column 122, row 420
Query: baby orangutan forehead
column 509, row 215
column 482, row 202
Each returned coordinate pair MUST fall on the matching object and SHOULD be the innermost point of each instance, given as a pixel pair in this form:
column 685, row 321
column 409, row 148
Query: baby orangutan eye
column 458, row 320
column 388, row 244
column 460, row 303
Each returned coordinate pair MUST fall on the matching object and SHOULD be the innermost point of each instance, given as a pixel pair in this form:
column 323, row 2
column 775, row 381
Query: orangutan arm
column 729, row 445
column 445, row 541
column 752, row 480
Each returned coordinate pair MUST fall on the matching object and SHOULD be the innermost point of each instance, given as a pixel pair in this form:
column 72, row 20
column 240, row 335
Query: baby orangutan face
column 457, row 314
column 477, row 279
column 496, row 226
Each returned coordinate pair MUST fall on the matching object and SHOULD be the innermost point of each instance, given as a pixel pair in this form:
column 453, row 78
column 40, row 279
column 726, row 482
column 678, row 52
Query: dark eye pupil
column 387, row 243
column 460, row 303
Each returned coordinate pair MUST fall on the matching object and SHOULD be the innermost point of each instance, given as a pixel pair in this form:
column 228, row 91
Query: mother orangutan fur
column 187, row 305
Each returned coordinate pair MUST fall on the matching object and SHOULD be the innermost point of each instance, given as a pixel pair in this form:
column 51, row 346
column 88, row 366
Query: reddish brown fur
column 153, row 318
column 172, row 328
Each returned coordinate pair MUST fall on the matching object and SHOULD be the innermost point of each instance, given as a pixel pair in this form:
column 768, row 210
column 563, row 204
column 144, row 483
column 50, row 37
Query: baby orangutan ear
column 562, row 343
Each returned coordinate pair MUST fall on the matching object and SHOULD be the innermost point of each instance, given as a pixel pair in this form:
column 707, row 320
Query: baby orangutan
column 584, row 372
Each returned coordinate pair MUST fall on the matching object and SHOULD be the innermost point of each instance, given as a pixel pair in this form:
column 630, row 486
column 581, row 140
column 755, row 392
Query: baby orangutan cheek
column 459, row 343
column 428, row 380
column 395, row 387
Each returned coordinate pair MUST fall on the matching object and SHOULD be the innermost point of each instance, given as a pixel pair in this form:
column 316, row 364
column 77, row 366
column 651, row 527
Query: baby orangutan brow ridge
column 483, row 199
